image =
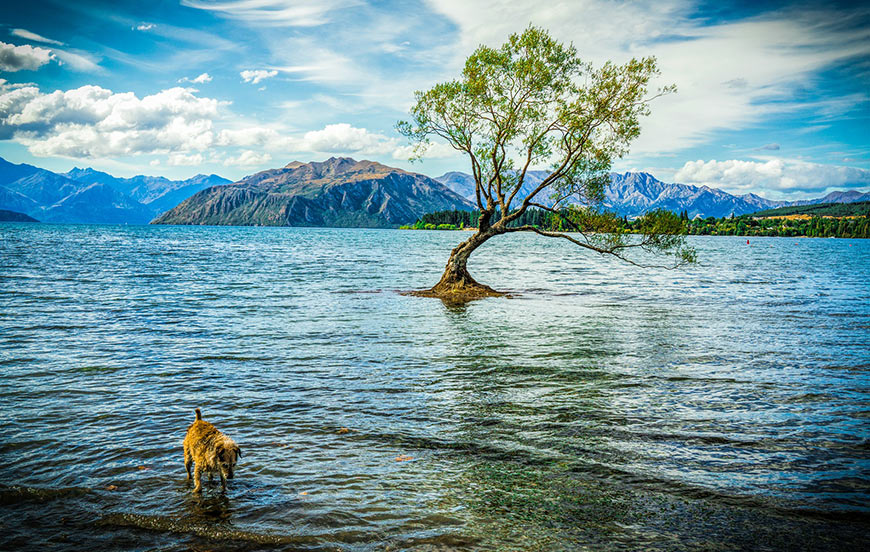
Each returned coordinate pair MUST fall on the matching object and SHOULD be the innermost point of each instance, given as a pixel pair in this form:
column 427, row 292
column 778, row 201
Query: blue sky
column 773, row 97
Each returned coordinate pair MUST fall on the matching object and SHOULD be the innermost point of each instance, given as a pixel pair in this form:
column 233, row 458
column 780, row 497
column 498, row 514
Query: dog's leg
column 187, row 461
column 197, row 478
column 223, row 481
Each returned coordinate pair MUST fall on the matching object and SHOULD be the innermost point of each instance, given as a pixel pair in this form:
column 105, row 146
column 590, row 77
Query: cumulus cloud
column 27, row 35
column 5, row 85
column 780, row 175
column 342, row 138
column 203, row 78
column 248, row 158
column 247, row 137
column 30, row 58
column 94, row 122
column 182, row 160
column 255, row 77
column 23, row 58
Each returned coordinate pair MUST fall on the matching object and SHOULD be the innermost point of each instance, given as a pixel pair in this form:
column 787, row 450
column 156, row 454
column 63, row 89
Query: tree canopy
column 534, row 103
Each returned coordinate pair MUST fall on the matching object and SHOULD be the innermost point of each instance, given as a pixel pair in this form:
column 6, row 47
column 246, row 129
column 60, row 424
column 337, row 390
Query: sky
column 773, row 97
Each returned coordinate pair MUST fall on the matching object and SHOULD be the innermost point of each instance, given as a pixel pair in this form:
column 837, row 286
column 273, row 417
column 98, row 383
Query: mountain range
column 337, row 192
column 632, row 194
column 90, row 196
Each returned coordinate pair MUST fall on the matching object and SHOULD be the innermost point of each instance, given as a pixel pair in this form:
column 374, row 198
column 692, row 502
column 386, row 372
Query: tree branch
column 603, row 251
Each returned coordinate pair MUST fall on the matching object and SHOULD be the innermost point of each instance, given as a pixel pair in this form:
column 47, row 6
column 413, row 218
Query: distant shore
column 824, row 221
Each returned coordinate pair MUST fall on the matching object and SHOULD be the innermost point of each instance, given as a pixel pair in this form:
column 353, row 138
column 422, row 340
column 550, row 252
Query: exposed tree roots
column 458, row 289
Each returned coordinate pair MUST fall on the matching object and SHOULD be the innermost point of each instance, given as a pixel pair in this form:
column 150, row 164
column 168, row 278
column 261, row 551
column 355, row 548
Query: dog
column 210, row 450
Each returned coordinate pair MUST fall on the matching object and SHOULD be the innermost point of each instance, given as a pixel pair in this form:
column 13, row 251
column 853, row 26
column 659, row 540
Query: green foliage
column 533, row 102
column 814, row 227
column 659, row 228
column 861, row 208
column 658, row 231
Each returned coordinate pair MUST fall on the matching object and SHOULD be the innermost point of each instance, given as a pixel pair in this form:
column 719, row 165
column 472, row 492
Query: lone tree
column 530, row 103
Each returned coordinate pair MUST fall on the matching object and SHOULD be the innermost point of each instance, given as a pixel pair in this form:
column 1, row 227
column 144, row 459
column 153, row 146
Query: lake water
column 603, row 407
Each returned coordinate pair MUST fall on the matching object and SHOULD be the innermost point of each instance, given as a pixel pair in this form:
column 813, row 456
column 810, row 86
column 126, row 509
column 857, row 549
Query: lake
column 602, row 407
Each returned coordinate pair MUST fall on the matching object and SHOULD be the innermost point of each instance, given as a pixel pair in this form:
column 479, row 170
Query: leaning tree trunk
column 456, row 283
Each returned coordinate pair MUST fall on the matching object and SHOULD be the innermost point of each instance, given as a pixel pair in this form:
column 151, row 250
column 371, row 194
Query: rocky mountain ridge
column 632, row 194
column 338, row 192
column 91, row 196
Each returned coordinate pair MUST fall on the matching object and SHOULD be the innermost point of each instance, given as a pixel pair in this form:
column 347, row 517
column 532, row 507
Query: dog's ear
column 238, row 452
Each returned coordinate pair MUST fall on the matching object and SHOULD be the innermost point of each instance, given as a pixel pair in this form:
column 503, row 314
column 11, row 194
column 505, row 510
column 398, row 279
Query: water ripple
column 724, row 406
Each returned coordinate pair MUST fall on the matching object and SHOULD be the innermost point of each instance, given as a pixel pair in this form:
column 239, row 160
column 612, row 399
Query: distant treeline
column 816, row 226
column 457, row 220
column 751, row 225
column 857, row 209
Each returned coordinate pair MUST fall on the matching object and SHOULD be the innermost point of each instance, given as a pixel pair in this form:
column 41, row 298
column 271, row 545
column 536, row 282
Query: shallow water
column 604, row 407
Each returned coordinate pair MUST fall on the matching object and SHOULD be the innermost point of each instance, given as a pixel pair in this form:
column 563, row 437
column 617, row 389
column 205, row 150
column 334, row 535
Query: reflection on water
column 722, row 406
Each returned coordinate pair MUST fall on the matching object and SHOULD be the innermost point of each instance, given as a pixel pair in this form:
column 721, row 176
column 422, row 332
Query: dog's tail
column 198, row 414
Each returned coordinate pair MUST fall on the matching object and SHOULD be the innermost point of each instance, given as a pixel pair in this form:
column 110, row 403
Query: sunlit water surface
column 603, row 407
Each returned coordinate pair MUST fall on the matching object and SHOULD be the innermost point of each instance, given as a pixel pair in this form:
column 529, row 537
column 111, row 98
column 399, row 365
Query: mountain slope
column 14, row 201
column 99, row 204
column 13, row 216
column 338, row 192
column 633, row 194
column 159, row 193
column 90, row 196
column 10, row 172
column 45, row 187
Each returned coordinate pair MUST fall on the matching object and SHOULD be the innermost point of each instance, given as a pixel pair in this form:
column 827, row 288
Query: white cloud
column 320, row 65
column 182, row 160
column 23, row 58
column 436, row 150
column 154, row 162
column 770, row 57
column 248, row 158
column 343, row 138
column 27, row 35
column 247, row 137
column 145, row 26
column 339, row 138
column 79, row 61
column 203, row 78
column 5, row 85
column 30, row 58
column 94, row 122
column 290, row 13
column 780, row 175
column 255, row 77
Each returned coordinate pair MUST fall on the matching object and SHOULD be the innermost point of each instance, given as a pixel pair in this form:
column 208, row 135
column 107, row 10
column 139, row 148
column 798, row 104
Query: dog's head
column 227, row 456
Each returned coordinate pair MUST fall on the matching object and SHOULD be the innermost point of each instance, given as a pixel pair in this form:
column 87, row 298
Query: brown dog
column 210, row 450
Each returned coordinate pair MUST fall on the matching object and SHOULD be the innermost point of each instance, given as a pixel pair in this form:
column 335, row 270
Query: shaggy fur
column 210, row 450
